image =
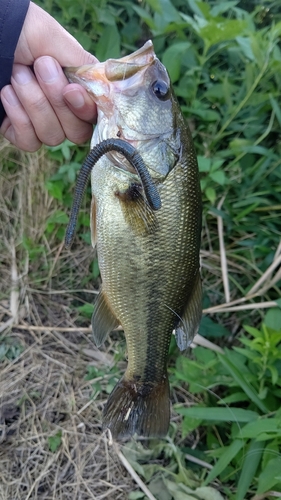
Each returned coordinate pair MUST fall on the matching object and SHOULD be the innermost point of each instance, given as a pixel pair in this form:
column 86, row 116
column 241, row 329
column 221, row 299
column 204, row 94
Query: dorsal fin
column 191, row 316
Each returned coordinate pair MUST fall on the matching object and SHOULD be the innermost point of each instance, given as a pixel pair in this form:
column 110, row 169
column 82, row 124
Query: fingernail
column 47, row 69
column 75, row 98
column 9, row 94
column 21, row 74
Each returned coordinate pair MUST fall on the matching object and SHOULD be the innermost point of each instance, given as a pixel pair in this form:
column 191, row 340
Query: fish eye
column 161, row 89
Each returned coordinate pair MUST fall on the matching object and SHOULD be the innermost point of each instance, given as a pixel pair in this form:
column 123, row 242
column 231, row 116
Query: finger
column 42, row 35
column 41, row 114
column 17, row 127
column 80, row 102
column 52, row 82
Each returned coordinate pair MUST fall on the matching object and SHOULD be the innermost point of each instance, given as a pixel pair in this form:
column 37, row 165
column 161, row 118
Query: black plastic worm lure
column 133, row 157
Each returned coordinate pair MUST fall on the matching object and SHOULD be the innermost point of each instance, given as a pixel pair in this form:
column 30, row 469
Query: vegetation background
column 224, row 60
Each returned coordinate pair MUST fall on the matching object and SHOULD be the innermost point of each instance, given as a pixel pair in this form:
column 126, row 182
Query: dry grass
column 43, row 391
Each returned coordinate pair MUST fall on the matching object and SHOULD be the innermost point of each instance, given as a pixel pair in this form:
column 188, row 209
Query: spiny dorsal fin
column 191, row 316
column 103, row 320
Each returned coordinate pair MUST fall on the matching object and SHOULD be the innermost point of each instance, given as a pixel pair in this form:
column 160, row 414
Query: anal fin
column 191, row 317
column 103, row 320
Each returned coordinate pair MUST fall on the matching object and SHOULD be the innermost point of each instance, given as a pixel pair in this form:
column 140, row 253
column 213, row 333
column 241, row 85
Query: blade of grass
column 260, row 427
column 230, row 452
column 222, row 414
column 247, row 388
column 249, row 467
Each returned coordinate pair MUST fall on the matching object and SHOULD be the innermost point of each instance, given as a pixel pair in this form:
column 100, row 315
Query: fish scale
column 149, row 261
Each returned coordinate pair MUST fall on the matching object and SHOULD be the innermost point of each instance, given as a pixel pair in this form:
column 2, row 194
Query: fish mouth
column 112, row 70
column 104, row 79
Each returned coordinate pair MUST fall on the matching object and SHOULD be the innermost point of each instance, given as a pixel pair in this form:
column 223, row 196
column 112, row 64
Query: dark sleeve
column 12, row 15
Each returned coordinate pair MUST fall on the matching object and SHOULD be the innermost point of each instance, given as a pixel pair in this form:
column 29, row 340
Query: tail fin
column 137, row 408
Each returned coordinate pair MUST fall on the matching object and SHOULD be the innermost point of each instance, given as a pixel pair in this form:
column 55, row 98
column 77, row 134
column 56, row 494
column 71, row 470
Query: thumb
column 42, row 35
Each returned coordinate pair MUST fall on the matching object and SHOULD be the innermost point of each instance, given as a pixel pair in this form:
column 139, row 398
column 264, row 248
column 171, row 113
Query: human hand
column 42, row 107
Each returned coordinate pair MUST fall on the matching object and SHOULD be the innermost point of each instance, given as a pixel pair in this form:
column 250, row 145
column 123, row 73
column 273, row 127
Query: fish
column 148, row 259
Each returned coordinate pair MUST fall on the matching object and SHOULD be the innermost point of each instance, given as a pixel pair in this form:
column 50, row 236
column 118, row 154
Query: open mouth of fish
column 104, row 80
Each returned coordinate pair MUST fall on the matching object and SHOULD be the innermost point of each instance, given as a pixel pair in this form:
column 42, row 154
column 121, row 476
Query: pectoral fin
column 138, row 214
column 103, row 320
column 191, row 316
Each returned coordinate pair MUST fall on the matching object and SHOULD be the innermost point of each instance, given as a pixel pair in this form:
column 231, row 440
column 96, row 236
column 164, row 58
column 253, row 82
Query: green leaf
column 54, row 442
column 215, row 32
column 222, row 414
column 274, row 374
column 95, row 268
column 155, row 5
column 249, row 468
column 55, row 189
column 207, row 115
column 201, row 9
column 136, row 495
column 208, row 493
column 108, row 45
column 178, row 490
column 270, row 451
column 65, row 149
column 246, row 47
column 216, row 164
column 222, row 7
column 204, row 163
column 218, row 176
column 167, row 16
column 211, row 194
column 84, row 39
column 86, row 310
column 272, row 319
column 229, row 453
column 253, row 331
column 58, row 217
column 233, row 398
column 278, row 302
column 159, row 490
column 172, row 59
column 261, row 426
column 209, row 328
column 143, row 14
column 270, row 476
column 276, row 108
column 244, row 384
column 189, row 424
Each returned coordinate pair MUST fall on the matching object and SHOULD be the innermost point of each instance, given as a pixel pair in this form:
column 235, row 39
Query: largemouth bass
column 149, row 260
